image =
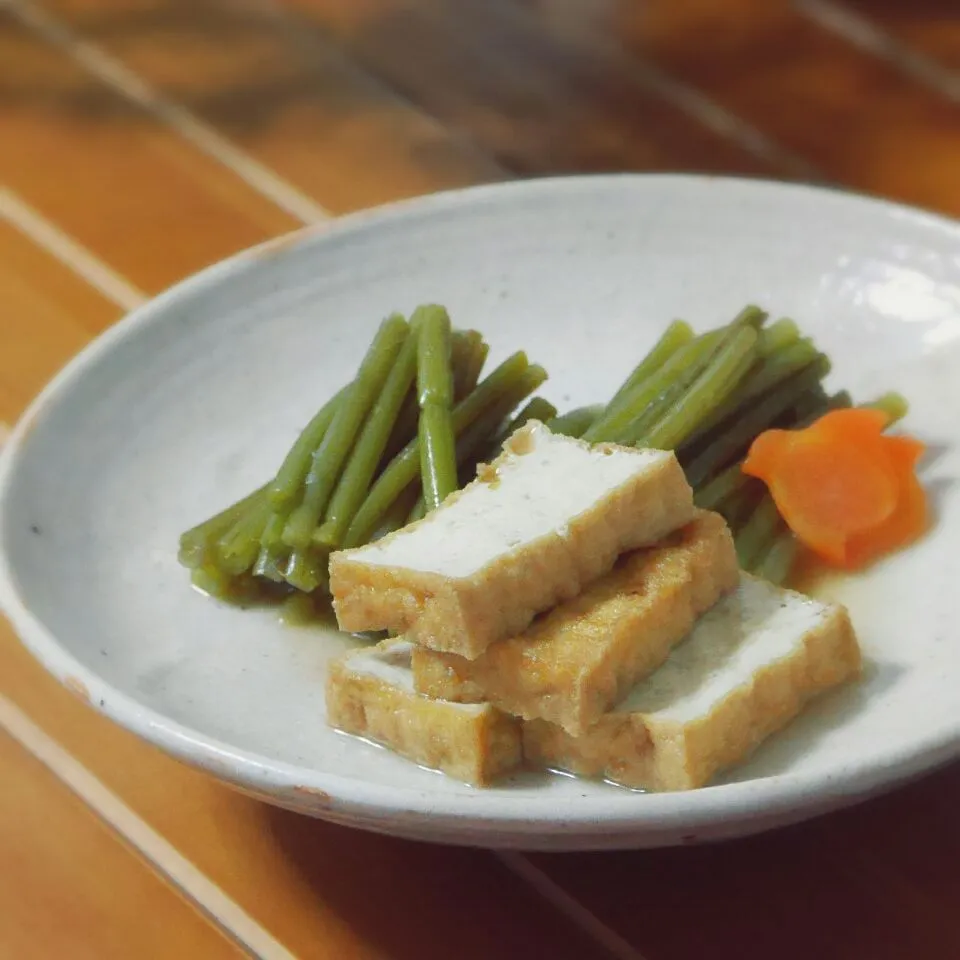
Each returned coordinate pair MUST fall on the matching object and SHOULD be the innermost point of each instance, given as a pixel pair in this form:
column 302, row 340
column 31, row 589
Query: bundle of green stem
column 406, row 432
column 708, row 397
column 417, row 419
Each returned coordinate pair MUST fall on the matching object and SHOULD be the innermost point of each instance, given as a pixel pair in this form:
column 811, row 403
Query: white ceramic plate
column 192, row 401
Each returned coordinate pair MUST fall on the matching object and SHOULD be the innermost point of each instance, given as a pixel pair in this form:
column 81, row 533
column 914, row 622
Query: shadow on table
column 417, row 901
column 877, row 881
column 832, row 888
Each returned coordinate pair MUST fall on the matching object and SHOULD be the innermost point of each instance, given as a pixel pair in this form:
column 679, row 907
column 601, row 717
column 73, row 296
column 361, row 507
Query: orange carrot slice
column 908, row 522
column 848, row 492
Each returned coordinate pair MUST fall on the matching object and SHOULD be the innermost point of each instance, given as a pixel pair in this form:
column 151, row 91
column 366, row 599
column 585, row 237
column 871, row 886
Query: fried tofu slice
column 575, row 662
column 546, row 518
column 370, row 694
column 746, row 670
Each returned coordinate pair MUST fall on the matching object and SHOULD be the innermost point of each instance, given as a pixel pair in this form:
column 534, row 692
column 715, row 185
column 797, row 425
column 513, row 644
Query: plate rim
column 315, row 791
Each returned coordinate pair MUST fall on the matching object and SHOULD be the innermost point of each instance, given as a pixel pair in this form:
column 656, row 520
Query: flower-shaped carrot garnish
column 847, row 491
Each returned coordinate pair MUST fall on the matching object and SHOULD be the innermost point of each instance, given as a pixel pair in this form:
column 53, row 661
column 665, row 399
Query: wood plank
column 69, row 888
column 322, row 890
column 930, row 27
column 137, row 195
column 879, row 881
column 288, row 97
column 42, row 324
column 537, row 106
column 856, row 117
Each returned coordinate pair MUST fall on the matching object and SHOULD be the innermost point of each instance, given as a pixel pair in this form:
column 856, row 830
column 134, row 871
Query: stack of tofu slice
column 572, row 609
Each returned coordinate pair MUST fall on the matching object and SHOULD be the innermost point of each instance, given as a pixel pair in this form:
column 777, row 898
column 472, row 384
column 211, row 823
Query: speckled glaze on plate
column 193, row 399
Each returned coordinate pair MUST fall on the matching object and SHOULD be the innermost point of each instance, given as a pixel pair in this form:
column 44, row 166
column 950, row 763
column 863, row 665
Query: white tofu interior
column 391, row 663
column 756, row 625
column 538, row 493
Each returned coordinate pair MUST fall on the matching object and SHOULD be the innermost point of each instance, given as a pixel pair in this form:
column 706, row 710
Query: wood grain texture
column 324, row 891
column 69, row 888
column 285, row 95
column 878, row 881
column 358, row 102
column 137, row 195
column 537, row 105
column 47, row 314
column 857, row 117
column 930, row 27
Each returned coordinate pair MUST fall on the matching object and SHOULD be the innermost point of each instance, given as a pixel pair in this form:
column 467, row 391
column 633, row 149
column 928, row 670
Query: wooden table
column 143, row 139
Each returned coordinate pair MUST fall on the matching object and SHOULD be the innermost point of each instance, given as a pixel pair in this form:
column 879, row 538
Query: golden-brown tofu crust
column 476, row 745
column 464, row 615
column 575, row 662
column 647, row 753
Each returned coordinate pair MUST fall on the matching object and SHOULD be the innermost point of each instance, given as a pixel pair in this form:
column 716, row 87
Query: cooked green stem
column 399, row 513
column 754, row 538
column 782, row 333
column 717, row 382
column 270, row 565
column 737, row 508
column 840, row 400
column 405, row 429
column 893, row 404
column 615, row 423
column 215, row 583
column 765, row 374
column 779, row 365
column 644, row 405
column 809, row 406
column 287, row 486
column 330, row 456
column 418, row 512
column 576, row 422
column 434, row 377
column 468, row 353
column 516, row 380
column 238, row 547
column 477, row 359
column 307, row 570
column 357, row 475
column 735, row 436
column 750, row 316
column 198, row 544
column 537, row 409
column 474, row 445
column 404, row 468
column 438, row 455
column 674, row 337
column 273, row 551
column 710, row 495
column 777, row 562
